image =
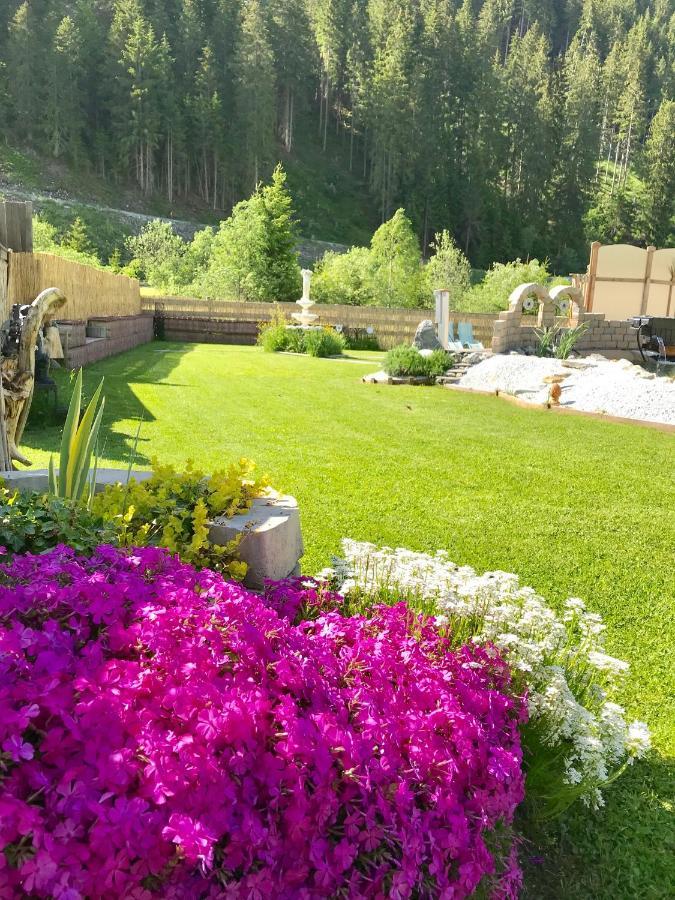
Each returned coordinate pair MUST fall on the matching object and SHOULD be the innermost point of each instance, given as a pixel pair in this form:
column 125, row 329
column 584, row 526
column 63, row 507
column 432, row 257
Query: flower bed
column 167, row 733
column 577, row 739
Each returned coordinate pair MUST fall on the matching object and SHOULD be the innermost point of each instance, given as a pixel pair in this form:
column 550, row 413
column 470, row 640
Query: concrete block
column 272, row 539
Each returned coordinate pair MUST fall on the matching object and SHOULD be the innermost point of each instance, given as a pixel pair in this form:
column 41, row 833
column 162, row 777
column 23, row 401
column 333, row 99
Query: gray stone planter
column 271, row 541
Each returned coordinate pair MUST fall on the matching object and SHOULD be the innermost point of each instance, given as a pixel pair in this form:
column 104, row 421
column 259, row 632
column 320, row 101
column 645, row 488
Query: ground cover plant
column 167, row 733
column 558, row 500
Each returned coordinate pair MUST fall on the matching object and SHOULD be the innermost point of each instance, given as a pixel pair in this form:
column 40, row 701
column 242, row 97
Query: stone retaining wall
column 89, row 342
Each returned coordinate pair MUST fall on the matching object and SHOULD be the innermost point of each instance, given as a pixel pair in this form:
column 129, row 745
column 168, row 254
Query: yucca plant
column 77, row 445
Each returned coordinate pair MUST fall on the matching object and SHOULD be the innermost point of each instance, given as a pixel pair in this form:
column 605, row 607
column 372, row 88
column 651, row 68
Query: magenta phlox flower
column 167, row 734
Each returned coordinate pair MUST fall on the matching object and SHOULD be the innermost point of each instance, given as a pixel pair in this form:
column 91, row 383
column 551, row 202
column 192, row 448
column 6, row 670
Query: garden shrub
column 31, row 522
column 326, row 342
column 406, row 361
column 173, row 510
column 166, row 733
column 275, row 336
column 577, row 737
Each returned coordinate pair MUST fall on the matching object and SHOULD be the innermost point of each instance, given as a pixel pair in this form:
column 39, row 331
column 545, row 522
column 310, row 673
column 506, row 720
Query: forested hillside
column 522, row 126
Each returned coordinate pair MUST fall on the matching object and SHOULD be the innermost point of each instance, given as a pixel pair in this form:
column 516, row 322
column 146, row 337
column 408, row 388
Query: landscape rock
column 426, row 337
column 614, row 388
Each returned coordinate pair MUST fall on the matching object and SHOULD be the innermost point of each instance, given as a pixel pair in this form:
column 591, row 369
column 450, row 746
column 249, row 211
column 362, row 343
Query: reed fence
column 188, row 318
column 91, row 292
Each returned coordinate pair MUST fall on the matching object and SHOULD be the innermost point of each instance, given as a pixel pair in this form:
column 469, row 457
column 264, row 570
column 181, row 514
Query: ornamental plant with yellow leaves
column 173, row 509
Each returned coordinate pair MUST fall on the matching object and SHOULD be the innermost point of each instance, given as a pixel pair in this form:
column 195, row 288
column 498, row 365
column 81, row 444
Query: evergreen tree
column 64, row 106
column 659, row 176
column 396, row 263
column 255, row 93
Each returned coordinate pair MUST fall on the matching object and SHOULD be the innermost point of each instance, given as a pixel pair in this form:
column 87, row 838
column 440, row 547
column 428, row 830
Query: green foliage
column 448, row 269
column 275, row 336
column 345, row 278
column 78, row 443
column 253, row 256
column 558, row 341
column 493, row 292
column 105, row 232
column 173, row 510
column 546, row 341
column 158, row 256
column 31, row 522
column 325, row 342
column 480, row 118
column 568, row 339
column 77, row 238
column 397, row 264
column 403, row 361
column 389, row 273
column 46, row 240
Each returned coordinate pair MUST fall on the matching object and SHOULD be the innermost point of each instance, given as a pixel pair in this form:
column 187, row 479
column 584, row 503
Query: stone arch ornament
column 520, row 296
column 571, row 297
column 513, row 330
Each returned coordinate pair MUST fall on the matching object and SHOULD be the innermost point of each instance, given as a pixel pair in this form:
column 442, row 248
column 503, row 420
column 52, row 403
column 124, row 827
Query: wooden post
column 592, row 274
column 16, row 226
column 648, row 275
column 670, row 289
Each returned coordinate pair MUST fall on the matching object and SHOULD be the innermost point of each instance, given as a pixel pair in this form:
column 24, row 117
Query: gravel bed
column 592, row 384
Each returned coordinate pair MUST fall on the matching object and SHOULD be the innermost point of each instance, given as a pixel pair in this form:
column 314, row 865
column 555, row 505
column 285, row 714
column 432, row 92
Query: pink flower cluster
column 165, row 733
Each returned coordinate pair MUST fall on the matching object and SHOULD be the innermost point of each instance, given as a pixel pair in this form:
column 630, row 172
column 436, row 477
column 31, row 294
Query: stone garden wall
column 532, row 307
column 86, row 342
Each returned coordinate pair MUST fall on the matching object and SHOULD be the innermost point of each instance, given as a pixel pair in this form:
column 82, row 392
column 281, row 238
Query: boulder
column 426, row 337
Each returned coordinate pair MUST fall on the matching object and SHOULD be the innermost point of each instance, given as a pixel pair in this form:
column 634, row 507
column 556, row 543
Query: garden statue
column 20, row 336
column 305, row 318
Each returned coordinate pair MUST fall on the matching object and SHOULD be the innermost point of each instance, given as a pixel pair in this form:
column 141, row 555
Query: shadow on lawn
column 623, row 851
column 149, row 364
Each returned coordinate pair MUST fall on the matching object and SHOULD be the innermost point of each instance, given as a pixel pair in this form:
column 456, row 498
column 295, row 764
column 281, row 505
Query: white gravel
column 593, row 384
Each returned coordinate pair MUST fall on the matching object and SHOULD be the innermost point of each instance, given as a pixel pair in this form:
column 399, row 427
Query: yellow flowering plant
column 173, row 509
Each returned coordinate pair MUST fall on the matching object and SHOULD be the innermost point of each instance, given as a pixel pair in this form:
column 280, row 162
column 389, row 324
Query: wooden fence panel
column 624, row 281
column 16, row 225
column 91, row 292
column 390, row 326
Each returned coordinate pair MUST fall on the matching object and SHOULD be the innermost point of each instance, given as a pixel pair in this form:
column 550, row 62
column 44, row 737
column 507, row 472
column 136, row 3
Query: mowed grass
column 575, row 506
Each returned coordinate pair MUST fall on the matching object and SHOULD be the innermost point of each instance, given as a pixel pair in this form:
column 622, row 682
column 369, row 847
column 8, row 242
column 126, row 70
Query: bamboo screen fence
column 90, row 292
column 390, row 326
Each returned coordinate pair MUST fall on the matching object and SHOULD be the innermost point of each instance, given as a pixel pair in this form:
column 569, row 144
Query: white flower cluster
column 561, row 659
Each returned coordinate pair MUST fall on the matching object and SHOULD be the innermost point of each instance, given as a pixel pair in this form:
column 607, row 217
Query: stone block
column 271, row 544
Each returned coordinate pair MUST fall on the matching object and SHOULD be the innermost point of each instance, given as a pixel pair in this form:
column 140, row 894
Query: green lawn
column 577, row 507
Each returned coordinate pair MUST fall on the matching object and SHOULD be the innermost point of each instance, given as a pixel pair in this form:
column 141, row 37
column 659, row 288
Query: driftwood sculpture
column 18, row 375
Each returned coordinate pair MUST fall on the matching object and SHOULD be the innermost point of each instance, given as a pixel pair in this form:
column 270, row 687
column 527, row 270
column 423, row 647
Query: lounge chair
column 454, row 346
column 466, row 338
